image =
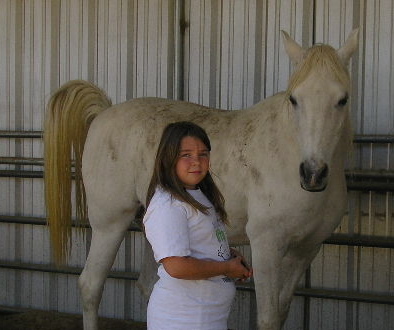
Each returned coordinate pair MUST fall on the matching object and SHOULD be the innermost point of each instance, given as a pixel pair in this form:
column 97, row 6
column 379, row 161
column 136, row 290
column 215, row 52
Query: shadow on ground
column 44, row 320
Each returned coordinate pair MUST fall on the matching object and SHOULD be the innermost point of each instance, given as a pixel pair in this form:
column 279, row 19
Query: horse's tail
column 69, row 113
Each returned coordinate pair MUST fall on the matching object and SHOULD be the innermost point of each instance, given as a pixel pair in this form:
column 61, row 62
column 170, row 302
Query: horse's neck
column 274, row 119
column 272, row 109
column 264, row 133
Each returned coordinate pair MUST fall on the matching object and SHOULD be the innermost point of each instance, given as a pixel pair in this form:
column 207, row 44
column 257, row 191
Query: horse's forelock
column 319, row 57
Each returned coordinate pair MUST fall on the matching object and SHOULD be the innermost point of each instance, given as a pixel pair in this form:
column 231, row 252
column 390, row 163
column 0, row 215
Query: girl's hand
column 236, row 253
column 238, row 267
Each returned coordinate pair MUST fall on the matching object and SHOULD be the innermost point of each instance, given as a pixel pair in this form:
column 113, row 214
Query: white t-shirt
column 174, row 228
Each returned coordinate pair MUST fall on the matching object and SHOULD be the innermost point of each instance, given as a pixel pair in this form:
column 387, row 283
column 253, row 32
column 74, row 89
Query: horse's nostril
column 324, row 171
column 302, row 170
column 313, row 175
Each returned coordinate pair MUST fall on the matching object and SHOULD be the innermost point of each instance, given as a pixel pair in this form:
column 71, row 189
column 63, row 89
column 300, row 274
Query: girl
column 184, row 223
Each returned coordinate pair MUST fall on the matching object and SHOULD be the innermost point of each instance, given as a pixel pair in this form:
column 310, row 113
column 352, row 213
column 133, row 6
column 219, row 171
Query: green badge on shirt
column 221, row 236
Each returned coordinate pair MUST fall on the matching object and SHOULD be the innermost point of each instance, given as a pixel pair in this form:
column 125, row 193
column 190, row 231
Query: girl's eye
column 202, row 155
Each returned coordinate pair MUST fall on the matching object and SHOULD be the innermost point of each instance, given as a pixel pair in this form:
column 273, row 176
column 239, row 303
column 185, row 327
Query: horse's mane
column 319, row 57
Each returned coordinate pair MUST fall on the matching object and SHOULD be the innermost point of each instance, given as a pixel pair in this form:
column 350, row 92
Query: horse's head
column 317, row 96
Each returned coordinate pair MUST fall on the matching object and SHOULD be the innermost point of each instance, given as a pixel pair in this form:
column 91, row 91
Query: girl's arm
column 188, row 268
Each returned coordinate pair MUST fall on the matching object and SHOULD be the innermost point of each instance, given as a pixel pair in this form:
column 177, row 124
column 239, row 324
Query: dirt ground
column 43, row 320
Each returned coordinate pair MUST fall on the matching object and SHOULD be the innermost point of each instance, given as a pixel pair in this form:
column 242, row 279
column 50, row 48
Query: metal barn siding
column 125, row 47
column 226, row 54
column 234, row 56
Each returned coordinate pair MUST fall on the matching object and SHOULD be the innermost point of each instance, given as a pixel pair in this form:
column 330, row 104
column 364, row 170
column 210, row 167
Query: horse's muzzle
column 313, row 176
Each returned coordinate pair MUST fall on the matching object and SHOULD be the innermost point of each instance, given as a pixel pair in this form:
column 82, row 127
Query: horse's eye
column 293, row 100
column 342, row 102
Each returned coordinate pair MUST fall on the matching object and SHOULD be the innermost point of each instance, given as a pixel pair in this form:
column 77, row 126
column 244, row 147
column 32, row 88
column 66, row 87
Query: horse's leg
column 293, row 266
column 106, row 239
column 148, row 275
column 266, row 272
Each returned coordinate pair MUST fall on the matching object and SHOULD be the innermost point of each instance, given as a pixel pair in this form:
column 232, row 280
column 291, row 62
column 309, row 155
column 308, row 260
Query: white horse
column 279, row 165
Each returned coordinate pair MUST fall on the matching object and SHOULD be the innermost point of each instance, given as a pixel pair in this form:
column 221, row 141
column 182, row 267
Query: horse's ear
column 294, row 50
column 350, row 46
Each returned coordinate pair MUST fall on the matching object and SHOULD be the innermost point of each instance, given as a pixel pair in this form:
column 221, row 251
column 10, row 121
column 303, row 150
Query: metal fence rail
column 40, row 134
column 357, row 180
column 366, row 180
column 133, row 276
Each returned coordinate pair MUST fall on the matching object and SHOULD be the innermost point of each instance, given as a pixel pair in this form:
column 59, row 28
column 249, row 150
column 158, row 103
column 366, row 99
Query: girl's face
column 193, row 162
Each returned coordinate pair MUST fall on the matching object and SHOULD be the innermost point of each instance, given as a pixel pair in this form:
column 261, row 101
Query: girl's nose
column 195, row 159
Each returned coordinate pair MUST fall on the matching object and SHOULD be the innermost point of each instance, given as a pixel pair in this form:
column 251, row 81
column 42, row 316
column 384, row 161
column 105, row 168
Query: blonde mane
column 323, row 58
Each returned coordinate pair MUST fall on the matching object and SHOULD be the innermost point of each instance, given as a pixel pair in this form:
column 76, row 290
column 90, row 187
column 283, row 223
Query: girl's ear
column 293, row 49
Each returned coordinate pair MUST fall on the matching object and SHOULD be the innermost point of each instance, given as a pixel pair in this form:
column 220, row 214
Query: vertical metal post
column 180, row 29
column 307, row 300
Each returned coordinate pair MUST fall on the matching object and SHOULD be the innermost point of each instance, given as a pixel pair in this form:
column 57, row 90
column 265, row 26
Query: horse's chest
column 295, row 214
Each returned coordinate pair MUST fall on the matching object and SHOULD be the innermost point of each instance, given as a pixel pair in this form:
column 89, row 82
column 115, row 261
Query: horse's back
column 122, row 140
column 140, row 122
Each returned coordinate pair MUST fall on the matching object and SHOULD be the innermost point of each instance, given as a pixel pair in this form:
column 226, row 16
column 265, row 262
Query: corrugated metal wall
column 226, row 54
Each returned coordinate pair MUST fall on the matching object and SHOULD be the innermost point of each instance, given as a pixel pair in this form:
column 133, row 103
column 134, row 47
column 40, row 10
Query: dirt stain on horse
column 256, row 175
column 112, row 150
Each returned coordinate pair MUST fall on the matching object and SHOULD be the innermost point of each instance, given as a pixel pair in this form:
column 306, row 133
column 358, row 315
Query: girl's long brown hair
column 164, row 174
